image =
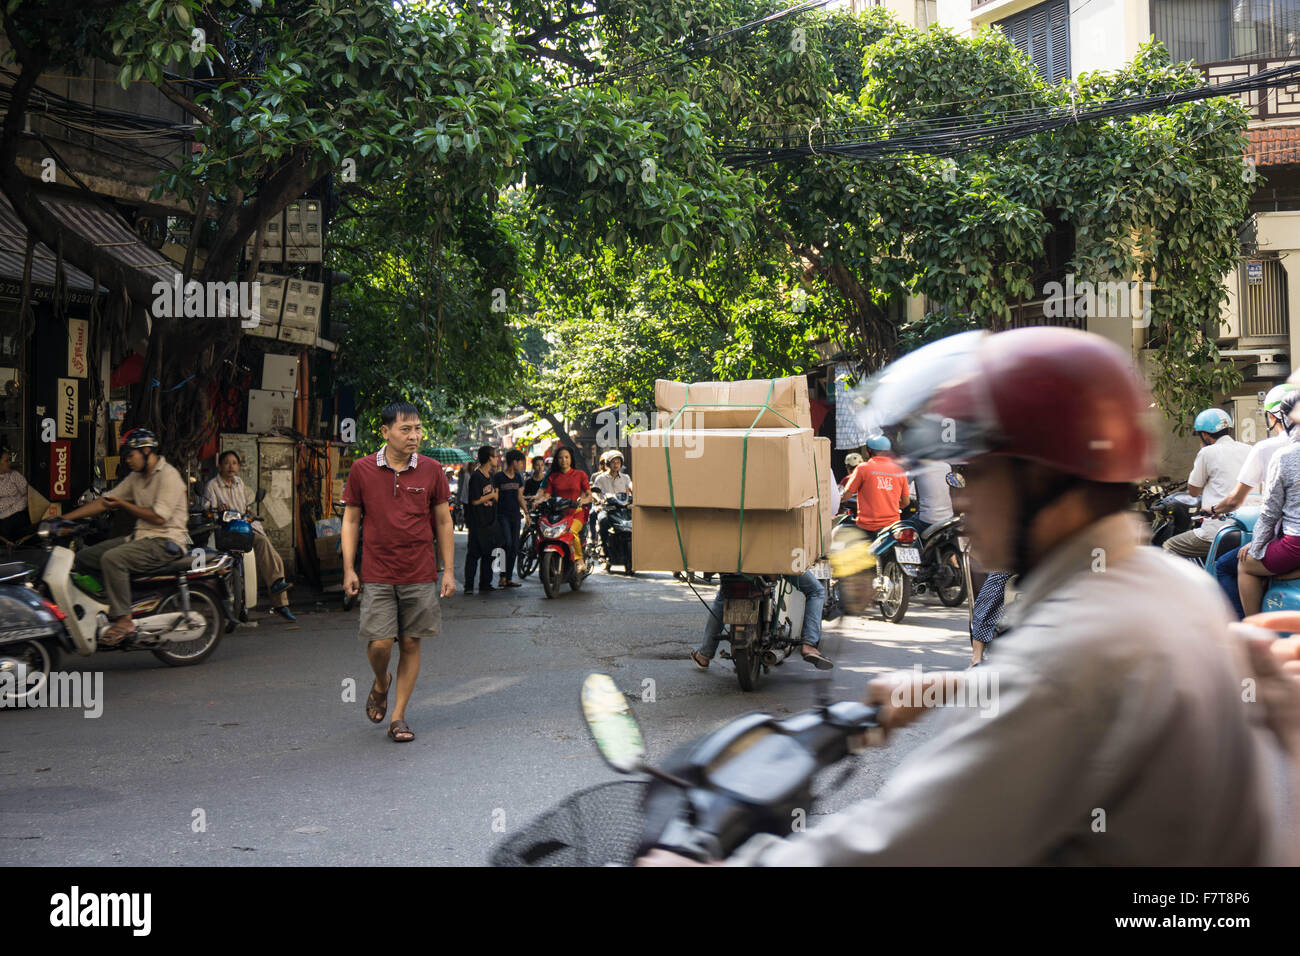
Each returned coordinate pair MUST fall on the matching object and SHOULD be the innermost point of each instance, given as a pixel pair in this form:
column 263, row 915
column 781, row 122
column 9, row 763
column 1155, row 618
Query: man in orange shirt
column 881, row 486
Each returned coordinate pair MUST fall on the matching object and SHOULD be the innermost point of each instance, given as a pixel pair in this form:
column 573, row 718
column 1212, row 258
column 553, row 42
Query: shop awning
column 13, row 253
column 93, row 222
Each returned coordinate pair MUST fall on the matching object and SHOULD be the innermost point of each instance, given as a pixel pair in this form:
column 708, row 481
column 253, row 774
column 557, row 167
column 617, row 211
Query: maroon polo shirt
column 398, row 511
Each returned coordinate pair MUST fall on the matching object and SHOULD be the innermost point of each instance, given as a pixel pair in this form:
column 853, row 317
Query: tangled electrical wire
column 953, row 135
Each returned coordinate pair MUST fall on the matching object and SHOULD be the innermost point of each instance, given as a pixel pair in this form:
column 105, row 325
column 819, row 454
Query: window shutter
column 1043, row 32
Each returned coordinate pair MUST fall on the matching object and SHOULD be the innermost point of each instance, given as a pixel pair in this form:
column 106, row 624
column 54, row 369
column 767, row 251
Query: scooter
column 898, row 561
column 556, row 559
column 762, row 618
column 180, row 610
column 33, row 631
column 750, row 776
column 230, row 532
column 1283, row 590
column 618, row 509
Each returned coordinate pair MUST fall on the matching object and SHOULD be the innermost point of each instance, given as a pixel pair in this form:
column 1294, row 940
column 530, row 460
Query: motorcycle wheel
column 185, row 653
column 899, row 587
column 526, row 562
column 548, row 569
column 749, row 667
column 38, row 658
column 955, row 594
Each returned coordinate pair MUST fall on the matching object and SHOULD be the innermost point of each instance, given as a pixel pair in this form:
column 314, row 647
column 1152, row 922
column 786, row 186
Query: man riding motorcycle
column 1117, row 733
column 881, row 486
column 154, row 494
column 1213, row 475
column 607, row 483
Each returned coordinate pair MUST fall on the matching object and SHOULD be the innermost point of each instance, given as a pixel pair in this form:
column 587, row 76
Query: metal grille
column 1210, row 31
column 1264, row 318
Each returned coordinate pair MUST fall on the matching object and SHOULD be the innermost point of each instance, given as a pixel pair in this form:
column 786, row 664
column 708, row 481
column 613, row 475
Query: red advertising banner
column 60, row 470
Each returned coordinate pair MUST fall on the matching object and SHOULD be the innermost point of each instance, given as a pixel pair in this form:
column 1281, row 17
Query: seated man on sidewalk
column 227, row 491
column 154, row 494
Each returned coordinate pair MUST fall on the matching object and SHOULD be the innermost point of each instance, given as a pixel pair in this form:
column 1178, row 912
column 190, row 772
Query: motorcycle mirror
column 612, row 725
column 260, row 496
column 955, row 480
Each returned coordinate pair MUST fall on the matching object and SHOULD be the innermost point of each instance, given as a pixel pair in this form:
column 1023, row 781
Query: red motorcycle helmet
column 1067, row 399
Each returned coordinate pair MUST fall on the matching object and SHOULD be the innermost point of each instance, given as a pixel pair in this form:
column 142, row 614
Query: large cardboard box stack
column 718, row 446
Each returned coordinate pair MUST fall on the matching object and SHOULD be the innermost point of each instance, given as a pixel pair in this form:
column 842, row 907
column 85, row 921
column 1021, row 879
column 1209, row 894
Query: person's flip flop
column 377, row 704
column 115, row 635
column 819, row 662
column 697, row 657
column 400, row 732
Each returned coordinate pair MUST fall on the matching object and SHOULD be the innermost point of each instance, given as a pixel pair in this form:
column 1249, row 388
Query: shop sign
column 78, row 344
column 67, row 405
column 60, row 470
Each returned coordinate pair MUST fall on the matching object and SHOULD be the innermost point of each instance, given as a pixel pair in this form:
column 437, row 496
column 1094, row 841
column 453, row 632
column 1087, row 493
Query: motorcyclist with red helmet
column 1111, row 728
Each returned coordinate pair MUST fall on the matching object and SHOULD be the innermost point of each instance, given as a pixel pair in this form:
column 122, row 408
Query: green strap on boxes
column 744, row 460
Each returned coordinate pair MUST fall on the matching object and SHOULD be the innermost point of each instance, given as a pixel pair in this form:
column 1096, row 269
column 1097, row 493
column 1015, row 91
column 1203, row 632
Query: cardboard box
column 269, row 409
column 775, row 542
column 297, row 336
column 707, row 464
column 280, row 372
column 788, row 403
column 822, row 457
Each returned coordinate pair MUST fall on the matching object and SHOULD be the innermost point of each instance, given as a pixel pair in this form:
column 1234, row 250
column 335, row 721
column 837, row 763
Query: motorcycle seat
column 938, row 526
column 12, row 569
column 1289, row 576
column 213, row 562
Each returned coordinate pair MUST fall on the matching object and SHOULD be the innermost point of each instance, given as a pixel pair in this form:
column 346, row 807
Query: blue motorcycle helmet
column 879, row 443
column 234, row 535
column 1211, row 421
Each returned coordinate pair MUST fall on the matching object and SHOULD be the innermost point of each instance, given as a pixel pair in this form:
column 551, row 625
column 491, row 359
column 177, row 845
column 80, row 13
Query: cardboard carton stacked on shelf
column 721, row 445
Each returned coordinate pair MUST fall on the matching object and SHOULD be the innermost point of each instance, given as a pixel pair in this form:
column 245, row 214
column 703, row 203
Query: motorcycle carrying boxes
column 786, row 400
column 706, row 468
column 774, row 542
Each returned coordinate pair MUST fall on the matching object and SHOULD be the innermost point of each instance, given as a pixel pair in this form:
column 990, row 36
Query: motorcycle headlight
column 552, row 530
column 230, row 516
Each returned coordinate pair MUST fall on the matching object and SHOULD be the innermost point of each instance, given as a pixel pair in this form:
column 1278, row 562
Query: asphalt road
column 255, row 757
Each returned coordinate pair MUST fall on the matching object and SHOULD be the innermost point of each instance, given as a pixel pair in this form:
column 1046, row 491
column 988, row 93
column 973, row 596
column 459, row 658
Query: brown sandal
column 115, row 635
column 400, row 732
column 377, row 703
column 700, row 660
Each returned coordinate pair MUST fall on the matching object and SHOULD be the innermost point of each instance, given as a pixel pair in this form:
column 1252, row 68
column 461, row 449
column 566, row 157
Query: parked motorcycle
column 762, row 618
column 231, row 532
column 32, row 632
column 556, row 559
column 618, row 509
column 750, row 776
column 1172, row 514
column 180, row 610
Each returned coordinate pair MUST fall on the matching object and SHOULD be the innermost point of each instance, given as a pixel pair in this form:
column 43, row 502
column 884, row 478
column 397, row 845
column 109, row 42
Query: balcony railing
column 1280, row 101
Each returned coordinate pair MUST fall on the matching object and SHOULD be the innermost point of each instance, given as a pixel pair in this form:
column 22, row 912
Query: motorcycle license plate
column 908, row 555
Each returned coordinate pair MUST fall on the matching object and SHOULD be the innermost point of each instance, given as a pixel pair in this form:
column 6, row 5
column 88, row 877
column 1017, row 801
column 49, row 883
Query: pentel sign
column 60, row 470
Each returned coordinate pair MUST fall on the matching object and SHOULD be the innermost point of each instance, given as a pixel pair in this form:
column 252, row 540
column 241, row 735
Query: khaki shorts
column 399, row 610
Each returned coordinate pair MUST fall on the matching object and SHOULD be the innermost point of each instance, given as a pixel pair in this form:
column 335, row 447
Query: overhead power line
column 955, row 135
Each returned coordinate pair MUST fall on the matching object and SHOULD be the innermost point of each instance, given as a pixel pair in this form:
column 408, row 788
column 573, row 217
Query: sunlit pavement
column 255, row 758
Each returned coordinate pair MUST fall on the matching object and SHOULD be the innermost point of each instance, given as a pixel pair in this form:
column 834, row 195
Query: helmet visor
column 934, row 400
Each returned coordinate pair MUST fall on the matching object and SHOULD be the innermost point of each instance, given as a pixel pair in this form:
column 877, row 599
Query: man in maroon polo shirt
column 400, row 496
